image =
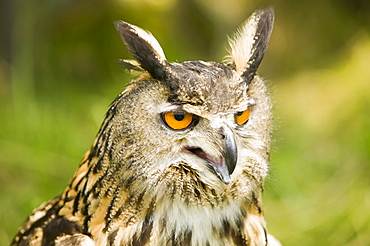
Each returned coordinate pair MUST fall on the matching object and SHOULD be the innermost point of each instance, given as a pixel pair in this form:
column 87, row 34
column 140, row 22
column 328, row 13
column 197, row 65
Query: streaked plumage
column 148, row 182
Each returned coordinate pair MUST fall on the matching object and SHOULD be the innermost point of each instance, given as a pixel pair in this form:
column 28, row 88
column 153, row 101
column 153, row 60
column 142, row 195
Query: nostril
column 222, row 133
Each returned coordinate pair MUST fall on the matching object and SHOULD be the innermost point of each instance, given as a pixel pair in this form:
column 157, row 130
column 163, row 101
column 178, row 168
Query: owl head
column 196, row 122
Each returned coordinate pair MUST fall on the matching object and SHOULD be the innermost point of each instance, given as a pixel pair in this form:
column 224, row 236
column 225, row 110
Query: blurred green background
column 58, row 75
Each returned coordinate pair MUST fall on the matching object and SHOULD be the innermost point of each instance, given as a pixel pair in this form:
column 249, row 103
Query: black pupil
column 239, row 113
column 179, row 116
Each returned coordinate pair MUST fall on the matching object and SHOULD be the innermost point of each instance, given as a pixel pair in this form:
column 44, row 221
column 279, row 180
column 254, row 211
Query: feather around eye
column 178, row 120
column 242, row 117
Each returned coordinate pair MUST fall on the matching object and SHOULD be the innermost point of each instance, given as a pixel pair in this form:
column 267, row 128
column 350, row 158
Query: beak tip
column 226, row 180
column 223, row 173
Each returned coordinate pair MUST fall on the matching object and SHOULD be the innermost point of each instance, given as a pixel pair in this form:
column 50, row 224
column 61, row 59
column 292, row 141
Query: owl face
column 213, row 118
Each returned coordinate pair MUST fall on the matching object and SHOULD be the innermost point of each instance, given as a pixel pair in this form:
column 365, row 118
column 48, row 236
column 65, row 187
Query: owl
column 180, row 158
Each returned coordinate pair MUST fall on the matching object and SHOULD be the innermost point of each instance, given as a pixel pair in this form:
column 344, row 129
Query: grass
column 319, row 194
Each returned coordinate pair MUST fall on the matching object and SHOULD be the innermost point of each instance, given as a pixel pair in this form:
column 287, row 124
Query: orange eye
column 178, row 120
column 242, row 117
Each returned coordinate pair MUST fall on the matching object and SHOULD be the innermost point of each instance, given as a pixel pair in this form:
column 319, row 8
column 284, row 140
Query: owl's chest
column 180, row 224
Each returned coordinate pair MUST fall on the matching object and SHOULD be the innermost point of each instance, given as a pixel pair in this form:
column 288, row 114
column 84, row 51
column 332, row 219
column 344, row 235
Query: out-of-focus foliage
column 58, row 76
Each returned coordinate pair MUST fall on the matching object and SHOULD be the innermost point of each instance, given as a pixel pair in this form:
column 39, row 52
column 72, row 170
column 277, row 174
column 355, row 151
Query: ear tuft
column 250, row 43
column 130, row 65
column 145, row 48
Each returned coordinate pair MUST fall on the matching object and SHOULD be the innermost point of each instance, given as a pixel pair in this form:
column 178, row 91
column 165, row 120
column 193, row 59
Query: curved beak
column 229, row 156
column 224, row 165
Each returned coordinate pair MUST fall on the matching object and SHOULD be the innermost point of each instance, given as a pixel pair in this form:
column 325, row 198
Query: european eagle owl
column 180, row 158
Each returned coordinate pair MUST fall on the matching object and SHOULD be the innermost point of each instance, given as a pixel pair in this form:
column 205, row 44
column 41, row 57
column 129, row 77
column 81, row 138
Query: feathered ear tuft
column 145, row 48
column 130, row 65
column 250, row 43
